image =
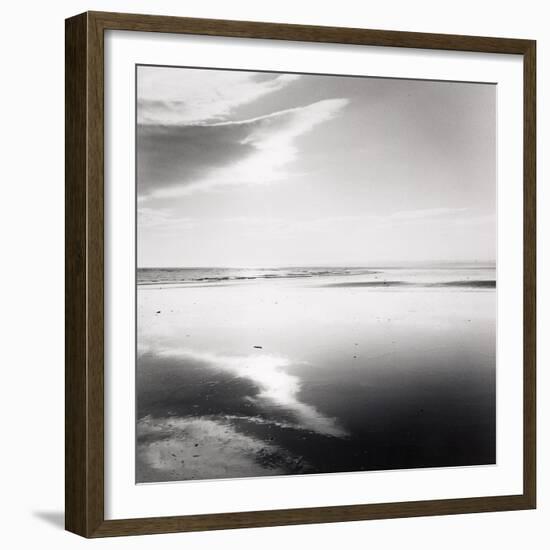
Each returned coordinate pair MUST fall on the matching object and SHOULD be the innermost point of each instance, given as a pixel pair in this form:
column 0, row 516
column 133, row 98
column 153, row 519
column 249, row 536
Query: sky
column 255, row 169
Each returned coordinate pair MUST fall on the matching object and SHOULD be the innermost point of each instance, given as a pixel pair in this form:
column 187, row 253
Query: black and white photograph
column 315, row 274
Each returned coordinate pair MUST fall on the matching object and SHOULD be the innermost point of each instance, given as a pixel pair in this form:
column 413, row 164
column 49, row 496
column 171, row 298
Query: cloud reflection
column 276, row 386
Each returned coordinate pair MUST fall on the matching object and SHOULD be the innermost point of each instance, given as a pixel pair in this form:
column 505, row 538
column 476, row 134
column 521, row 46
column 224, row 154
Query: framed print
column 300, row 273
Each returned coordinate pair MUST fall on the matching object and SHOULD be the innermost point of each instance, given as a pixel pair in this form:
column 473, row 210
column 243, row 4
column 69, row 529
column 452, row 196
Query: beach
column 264, row 372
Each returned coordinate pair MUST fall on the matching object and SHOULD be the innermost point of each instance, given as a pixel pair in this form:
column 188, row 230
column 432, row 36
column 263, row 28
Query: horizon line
column 472, row 263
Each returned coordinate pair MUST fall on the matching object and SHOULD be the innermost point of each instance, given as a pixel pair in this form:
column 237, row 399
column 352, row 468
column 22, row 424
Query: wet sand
column 321, row 375
column 446, row 284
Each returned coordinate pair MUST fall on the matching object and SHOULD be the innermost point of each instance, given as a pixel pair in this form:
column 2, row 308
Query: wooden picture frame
column 84, row 453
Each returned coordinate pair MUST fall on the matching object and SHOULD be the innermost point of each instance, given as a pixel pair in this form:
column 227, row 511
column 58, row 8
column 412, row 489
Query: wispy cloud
column 177, row 160
column 171, row 95
column 155, row 217
column 426, row 213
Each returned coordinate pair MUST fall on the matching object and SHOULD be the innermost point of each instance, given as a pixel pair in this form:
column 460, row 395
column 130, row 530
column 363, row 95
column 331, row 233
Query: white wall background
column 32, row 286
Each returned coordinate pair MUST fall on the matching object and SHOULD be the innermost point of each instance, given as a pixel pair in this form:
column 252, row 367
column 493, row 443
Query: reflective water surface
column 332, row 370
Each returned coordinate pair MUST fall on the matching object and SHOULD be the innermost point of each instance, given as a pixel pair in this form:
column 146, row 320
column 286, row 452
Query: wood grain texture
column 84, row 277
column 308, row 33
column 329, row 514
column 84, row 452
column 529, row 272
column 75, row 274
